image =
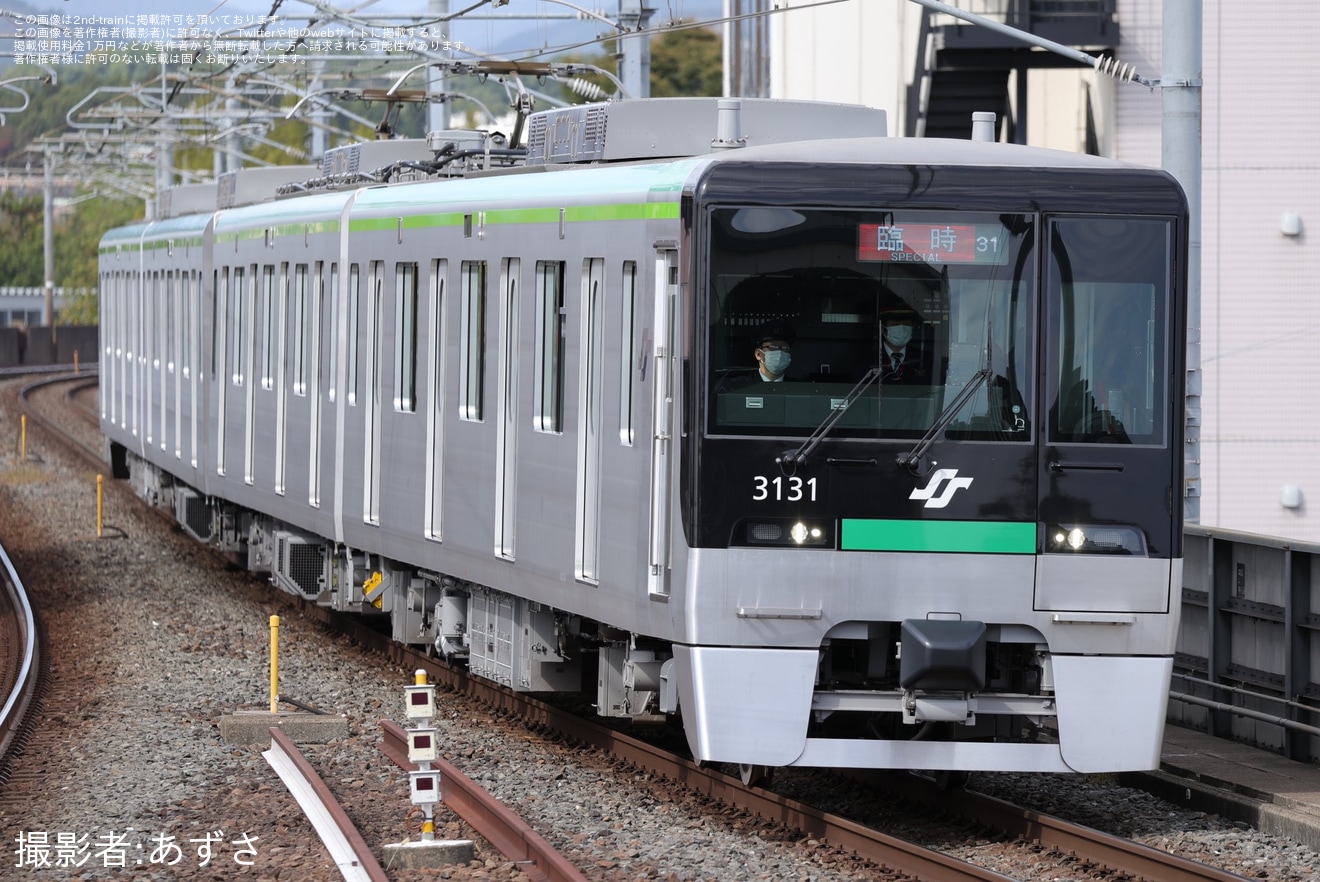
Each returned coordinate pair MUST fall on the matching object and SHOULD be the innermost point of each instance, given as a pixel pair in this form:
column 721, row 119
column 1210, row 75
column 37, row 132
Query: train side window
column 107, row 323
column 238, row 323
column 220, row 332
column 251, row 370
column 548, row 385
column 627, row 335
column 188, row 307
column 405, row 337
column 354, row 303
column 219, row 285
column 1108, row 304
column 280, row 382
column 171, row 330
column 267, row 326
column 153, row 320
column 333, row 324
column 299, row 309
column 472, row 356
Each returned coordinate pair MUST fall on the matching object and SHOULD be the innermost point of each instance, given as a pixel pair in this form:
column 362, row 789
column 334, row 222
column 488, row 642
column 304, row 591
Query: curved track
column 75, row 383
column 345, row 844
column 21, row 660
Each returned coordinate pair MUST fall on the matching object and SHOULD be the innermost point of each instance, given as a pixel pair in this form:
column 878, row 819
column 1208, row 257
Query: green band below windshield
column 949, row 536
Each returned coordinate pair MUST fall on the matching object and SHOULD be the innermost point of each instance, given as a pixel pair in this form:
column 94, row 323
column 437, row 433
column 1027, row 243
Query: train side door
column 1110, row 463
column 663, row 426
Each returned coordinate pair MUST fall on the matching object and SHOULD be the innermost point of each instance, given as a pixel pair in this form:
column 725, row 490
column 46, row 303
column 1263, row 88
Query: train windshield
column 888, row 321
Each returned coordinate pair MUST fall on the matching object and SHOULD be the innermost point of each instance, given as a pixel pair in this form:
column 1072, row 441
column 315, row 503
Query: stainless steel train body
column 518, row 412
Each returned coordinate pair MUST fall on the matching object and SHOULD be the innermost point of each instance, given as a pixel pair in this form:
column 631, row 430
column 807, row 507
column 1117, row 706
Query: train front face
column 933, row 473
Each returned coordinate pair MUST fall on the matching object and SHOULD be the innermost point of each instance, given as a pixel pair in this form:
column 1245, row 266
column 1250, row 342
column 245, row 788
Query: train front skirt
column 753, row 706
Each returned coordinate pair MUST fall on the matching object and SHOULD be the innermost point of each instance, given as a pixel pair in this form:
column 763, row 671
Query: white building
column 1260, row 316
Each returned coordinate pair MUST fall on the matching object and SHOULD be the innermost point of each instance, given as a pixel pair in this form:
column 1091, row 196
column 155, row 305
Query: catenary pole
column 635, row 49
column 1180, row 154
column 437, row 112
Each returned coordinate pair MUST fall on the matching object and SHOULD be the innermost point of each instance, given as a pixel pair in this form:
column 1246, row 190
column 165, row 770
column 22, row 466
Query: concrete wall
column 1260, row 318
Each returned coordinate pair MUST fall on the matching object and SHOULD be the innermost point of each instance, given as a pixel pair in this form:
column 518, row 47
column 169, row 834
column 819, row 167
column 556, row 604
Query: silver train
column 530, row 403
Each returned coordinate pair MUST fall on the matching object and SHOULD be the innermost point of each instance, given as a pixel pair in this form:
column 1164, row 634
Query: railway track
column 21, row 652
column 47, row 402
column 41, row 401
column 351, row 853
column 1085, row 846
column 1100, row 850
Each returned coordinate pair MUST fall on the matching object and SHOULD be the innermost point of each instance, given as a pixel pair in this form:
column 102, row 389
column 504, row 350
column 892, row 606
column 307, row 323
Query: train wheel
column 950, row 780
column 756, row 776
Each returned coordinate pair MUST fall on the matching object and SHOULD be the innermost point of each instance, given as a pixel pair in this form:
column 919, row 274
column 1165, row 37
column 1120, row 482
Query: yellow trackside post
column 274, row 664
column 100, row 503
column 22, row 437
column 75, row 361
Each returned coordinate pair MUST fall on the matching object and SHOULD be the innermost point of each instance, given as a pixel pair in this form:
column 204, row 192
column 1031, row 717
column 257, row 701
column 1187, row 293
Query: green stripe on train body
column 982, row 537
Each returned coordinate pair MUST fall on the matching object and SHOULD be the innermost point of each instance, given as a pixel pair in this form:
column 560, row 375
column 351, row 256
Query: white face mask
column 898, row 336
column 775, row 362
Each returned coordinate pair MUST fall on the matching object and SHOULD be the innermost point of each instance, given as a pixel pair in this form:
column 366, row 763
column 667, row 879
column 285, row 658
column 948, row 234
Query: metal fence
column 1247, row 650
column 39, row 346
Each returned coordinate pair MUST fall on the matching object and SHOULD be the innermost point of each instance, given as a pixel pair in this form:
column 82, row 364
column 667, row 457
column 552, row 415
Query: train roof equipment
column 660, row 128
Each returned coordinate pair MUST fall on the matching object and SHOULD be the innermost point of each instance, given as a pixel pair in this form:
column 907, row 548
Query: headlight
column 801, row 533
column 784, row 533
column 1095, row 539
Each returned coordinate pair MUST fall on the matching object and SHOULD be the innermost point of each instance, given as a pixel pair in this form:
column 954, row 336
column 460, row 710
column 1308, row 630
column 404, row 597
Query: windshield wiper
column 799, row 456
column 913, row 458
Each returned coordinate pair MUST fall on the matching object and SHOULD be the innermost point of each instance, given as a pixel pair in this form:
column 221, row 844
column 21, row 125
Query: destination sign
column 932, row 243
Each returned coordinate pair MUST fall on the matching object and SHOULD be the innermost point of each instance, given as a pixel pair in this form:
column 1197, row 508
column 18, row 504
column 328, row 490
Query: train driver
column 774, row 350
column 903, row 358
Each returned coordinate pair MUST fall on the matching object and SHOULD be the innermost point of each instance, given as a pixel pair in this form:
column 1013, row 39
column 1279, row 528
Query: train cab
column 954, row 516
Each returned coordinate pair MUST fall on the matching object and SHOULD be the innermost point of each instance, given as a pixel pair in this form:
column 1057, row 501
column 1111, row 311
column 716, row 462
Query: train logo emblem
column 928, row 492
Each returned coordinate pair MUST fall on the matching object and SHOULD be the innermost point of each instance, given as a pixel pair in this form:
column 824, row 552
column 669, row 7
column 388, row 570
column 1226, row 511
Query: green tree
column 687, row 63
column 80, row 309
column 76, row 241
column 21, row 251
column 684, row 63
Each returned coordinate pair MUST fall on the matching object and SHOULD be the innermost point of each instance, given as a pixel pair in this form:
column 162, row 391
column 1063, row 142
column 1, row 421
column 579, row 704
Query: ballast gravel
column 153, row 639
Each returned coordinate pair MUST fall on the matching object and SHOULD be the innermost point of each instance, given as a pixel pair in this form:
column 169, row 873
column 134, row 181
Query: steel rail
column 893, row 853
column 350, row 851
column 14, row 712
column 71, row 398
column 92, row 457
column 1114, row 852
column 510, row 834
